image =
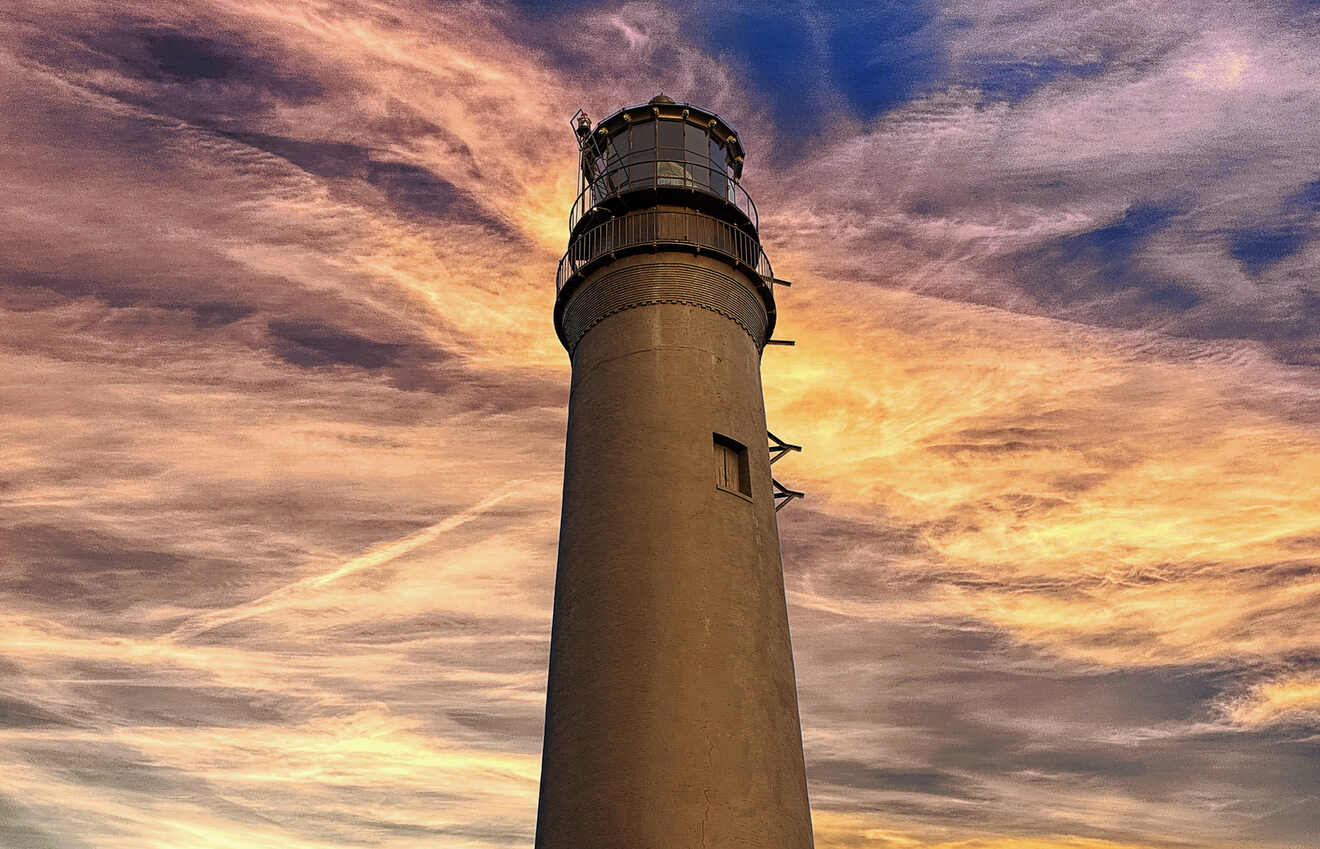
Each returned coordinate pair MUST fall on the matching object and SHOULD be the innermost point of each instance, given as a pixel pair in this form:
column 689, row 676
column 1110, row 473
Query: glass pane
column 717, row 155
column 616, row 150
column 672, row 173
column 701, row 174
column 695, row 142
column 642, row 173
column 642, row 136
column 671, row 136
column 718, row 183
column 641, row 155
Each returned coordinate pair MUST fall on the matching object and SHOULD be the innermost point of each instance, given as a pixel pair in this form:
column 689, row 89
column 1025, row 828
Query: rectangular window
column 672, row 174
column 717, row 154
column 696, row 143
column 731, row 470
column 718, row 182
column 643, row 138
column 641, row 154
column 671, row 139
column 615, row 153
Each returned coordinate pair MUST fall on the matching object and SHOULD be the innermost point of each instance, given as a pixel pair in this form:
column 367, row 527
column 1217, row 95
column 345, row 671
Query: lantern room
column 660, row 152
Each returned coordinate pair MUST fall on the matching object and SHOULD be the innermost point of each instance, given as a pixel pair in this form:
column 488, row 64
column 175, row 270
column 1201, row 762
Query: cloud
column 282, row 411
column 1292, row 699
column 848, row 831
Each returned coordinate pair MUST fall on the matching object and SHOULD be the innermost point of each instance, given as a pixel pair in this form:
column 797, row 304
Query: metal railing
column 663, row 227
column 663, row 173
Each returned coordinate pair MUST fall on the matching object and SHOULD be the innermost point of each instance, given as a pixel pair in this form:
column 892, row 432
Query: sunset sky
column 282, row 411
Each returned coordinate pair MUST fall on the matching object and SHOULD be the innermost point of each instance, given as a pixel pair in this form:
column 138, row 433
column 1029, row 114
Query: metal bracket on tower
column 782, row 494
column 778, row 447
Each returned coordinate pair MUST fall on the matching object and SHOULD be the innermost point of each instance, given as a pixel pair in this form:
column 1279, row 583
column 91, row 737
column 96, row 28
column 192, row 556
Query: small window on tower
column 731, row 471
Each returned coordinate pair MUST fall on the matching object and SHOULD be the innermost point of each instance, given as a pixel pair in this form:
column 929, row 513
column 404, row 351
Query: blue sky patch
column 876, row 55
column 1102, row 261
column 1014, row 81
column 1307, row 199
column 778, row 51
column 1258, row 249
column 1118, row 241
column 882, row 56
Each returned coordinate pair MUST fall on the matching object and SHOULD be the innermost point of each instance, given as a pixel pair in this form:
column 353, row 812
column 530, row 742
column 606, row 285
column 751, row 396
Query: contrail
column 284, row 596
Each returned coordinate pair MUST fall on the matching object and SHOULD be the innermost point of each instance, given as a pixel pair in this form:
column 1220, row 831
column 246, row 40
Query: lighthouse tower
column 671, row 711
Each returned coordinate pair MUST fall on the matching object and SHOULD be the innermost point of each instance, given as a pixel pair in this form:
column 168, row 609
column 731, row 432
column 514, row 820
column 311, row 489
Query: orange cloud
column 1294, row 698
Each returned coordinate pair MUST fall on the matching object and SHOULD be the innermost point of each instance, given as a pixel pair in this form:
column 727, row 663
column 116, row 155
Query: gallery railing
column 654, row 227
column 663, row 173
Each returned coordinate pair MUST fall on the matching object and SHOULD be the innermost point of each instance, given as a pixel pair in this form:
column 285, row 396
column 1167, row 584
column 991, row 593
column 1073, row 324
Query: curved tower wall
column 671, row 716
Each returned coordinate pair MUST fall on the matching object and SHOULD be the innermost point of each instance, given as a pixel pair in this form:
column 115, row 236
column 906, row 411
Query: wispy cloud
column 281, row 413
column 1289, row 699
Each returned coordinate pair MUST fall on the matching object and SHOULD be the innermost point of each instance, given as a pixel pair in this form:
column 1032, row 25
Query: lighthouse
column 671, row 707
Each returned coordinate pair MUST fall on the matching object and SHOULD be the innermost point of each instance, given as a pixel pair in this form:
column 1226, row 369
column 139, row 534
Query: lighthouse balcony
column 656, row 229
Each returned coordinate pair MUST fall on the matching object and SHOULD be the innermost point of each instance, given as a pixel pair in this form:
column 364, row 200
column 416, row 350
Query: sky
column 282, row 410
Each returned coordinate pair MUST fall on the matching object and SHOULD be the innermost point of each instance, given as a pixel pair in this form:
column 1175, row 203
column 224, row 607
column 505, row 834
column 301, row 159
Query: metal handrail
column 663, row 227
column 658, row 173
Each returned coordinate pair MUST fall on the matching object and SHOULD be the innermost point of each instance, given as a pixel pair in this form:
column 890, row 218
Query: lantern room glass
column 659, row 152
